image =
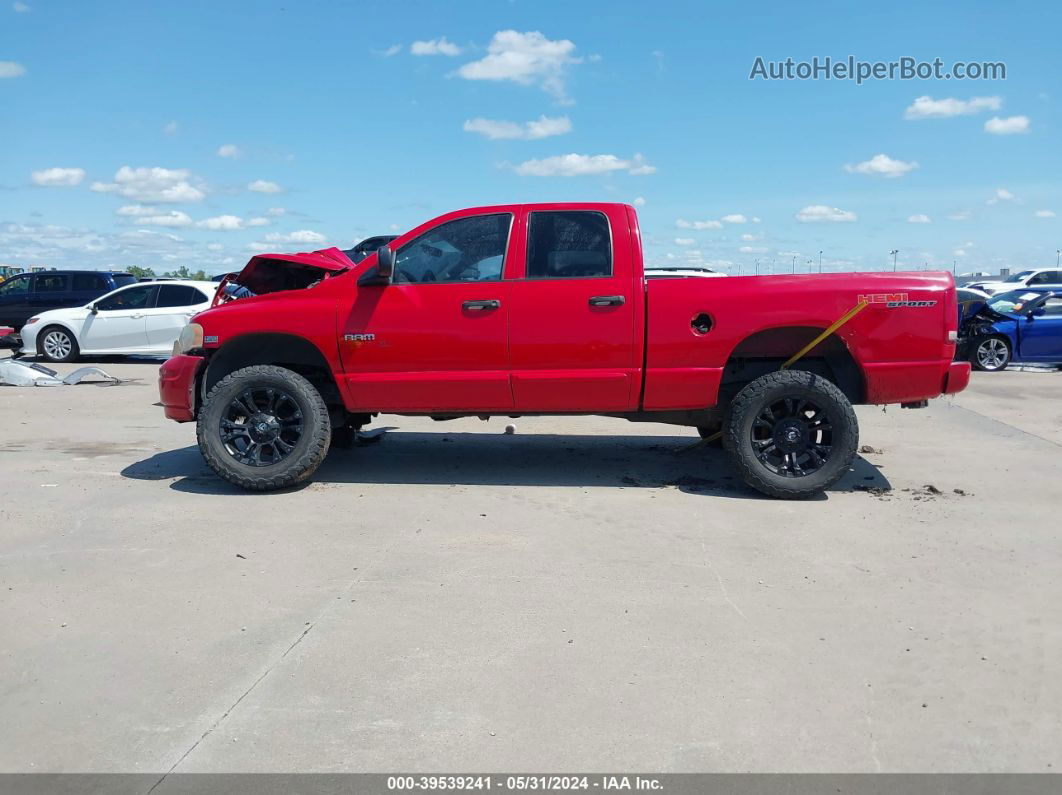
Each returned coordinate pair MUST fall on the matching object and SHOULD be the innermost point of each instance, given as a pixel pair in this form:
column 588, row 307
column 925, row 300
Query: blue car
column 1015, row 326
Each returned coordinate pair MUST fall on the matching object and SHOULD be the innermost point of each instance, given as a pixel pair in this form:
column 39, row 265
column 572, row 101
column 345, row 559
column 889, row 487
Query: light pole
column 894, row 252
column 1058, row 256
column 794, row 264
column 820, row 262
column 757, row 266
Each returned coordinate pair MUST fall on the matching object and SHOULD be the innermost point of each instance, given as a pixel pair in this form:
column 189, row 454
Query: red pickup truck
column 546, row 309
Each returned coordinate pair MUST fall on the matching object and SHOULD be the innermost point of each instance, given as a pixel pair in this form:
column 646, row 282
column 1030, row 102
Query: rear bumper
column 177, row 379
column 957, row 377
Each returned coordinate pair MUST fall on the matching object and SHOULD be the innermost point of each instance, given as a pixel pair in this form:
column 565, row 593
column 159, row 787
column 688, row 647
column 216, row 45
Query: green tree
column 140, row 273
column 183, row 273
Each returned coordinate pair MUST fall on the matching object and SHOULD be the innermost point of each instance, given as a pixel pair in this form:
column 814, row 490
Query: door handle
column 478, row 306
column 607, row 300
column 136, row 316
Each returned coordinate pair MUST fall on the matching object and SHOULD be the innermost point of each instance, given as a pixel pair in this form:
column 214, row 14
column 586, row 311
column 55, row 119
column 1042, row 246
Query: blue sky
column 197, row 133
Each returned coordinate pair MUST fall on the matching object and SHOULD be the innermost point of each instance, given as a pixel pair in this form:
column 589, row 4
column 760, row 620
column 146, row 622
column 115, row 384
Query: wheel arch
column 767, row 349
column 281, row 349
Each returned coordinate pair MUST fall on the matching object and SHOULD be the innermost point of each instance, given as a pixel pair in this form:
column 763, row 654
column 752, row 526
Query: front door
column 1041, row 335
column 119, row 322
column 572, row 322
column 435, row 339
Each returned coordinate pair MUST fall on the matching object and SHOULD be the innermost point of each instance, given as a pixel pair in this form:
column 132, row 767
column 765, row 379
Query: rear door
column 175, row 306
column 435, row 339
column 572, row 321
column 87, row 286
column 120, row 321
column 51, row 291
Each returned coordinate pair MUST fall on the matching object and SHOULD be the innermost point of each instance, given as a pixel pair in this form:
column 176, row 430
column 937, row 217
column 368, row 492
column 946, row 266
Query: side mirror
column 92, row 308
column 385, row 264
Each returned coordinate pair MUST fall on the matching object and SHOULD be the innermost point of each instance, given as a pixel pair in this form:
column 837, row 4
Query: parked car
column 1015, row 326
column 367, row 247
column 28, row 294
column 141, row 318
column 1041, row 278
column 450, row 320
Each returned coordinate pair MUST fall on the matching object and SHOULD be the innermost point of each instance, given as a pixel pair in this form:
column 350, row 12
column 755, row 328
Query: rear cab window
column 568, row 244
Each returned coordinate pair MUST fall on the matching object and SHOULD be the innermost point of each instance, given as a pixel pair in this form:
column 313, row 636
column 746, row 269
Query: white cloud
column 1002, row 195
column 684, row 241
column 170, row 128
column 929, row 108
column 229, row 150
column 152, row 185
column 275, row 212
column 959, row 252
column 820, row 212
column 438, row 46
column 394, row 49
column 919, row 218
column 753, row 250
column 639, row 201
column 682, row 223
column 1008, row 126
column 223, row 223
column 525, row 58
column 751, row 238
column 1044, row 213
column 264, row 186
column 11, row 69
column 20, row 8
column 962, row 215
column 55, row 177
column 881, row 166
column 258, row 221
column 136, row 210
column 173, row 218
column 542, row 127
column 301, row 236
column 734, row 218
column 573, row 165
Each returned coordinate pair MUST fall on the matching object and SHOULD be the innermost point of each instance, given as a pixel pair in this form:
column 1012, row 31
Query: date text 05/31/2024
column 522, row 782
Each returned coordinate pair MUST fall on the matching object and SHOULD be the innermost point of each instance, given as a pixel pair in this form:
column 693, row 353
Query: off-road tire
column 765, row 391
column 1005, row 352
column 297, row 466
column 71, row 356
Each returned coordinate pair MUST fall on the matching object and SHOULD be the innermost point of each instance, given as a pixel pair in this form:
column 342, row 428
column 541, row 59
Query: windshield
column 1011, row 302
column 1017, row 277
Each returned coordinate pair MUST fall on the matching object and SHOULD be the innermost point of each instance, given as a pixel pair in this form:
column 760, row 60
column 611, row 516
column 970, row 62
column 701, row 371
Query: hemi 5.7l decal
column 893, row 300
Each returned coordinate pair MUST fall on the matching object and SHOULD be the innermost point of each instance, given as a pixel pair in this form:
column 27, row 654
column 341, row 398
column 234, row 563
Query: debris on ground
column 866, row 448
column 873, row 491
column 18, row 373
column 371, row 437
column 692, row 483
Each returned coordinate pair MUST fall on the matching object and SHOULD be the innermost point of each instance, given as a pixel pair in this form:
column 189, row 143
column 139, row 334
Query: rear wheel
column 791, row 434
column 56, row 344
column 264, row 428
column 991, row 354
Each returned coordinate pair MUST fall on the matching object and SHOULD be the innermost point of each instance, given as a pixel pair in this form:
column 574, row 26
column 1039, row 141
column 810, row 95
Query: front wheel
column 57, row 345
column 991, row 354
column 792, row 434
column 264, row 428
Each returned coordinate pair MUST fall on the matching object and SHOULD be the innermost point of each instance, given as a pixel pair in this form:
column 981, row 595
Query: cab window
column 133, row 298
column 570, row 244
column 465, row 250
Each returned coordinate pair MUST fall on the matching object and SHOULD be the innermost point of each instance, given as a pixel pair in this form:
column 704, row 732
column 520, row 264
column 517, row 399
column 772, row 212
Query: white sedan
column 141, row 318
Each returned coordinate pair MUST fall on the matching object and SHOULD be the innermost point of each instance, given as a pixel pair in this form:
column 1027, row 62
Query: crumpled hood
column 271, row 273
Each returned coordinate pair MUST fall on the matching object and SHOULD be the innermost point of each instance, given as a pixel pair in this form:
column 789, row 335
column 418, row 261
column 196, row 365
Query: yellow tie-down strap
column 796, row 357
